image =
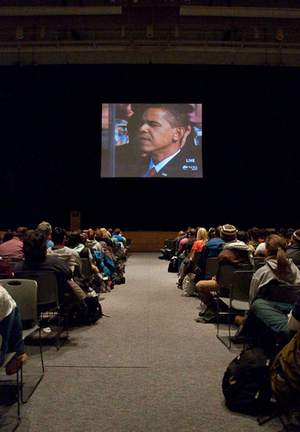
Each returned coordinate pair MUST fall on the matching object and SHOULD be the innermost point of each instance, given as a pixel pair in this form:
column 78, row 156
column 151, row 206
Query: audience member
column 119, row 236
column 13, row 248
column 278, row 268
column 7, row 236
column 70, row 256
column 91, row 242
column 37, row 260
column 293, row 249
column 260, row 251
column 11, row 333
column 212, row 248
column 254, row 235
column 201, row 240
column 235, row 252
column 46, row 229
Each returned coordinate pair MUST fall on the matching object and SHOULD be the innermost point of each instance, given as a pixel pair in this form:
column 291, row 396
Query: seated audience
column 201, row 240
column 278, row 268
column 118, row 235
column 13, row 248
column 102, row 235
column 293, row 249
column 235, row 252
column 11, row 333
column 91, row 242
column 76, row 241
column 212, row 248
column 260, row 251
column 37, row 261
column 70, row 256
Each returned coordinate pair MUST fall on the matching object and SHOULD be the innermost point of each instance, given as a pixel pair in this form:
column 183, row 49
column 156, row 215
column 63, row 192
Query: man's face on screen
column 156, row 135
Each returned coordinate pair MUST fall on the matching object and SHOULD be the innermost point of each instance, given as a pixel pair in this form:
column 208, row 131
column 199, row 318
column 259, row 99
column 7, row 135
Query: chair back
column 258, row 262
column 86, row 268
column 212, row 265
column 280, row 292
column 240, row 285
column 24, row 292
column 225, row 276
column 47, row 294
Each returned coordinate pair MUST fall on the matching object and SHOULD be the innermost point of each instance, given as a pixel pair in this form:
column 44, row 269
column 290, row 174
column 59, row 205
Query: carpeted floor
column 148, row 367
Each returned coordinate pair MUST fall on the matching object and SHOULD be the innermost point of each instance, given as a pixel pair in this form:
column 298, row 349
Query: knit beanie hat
column 228, row 232
column 296, row 236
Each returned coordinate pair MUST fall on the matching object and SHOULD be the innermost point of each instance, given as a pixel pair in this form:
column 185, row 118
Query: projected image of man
column 162, row 138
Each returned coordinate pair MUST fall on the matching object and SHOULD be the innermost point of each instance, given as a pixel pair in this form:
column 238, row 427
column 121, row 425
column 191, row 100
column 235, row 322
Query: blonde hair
column 202, row 235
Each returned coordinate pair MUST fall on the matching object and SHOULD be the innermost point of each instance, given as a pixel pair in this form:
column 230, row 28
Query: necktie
column 152, row 172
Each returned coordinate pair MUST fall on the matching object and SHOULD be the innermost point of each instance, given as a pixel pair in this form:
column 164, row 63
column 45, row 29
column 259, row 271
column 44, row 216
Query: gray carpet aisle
column 148, row 367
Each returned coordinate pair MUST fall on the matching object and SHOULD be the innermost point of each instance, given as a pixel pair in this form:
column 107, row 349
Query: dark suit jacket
column 188, row 163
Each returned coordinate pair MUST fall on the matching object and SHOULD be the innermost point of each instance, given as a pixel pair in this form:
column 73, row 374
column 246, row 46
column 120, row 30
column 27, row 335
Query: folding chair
column 48, row 304
column 24, row 292
column 238, row 283
column 212, row 265
column 9, row 356
column 86, row 268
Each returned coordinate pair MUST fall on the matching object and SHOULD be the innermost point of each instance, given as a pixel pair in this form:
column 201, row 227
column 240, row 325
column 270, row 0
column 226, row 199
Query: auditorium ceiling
column 142, row 31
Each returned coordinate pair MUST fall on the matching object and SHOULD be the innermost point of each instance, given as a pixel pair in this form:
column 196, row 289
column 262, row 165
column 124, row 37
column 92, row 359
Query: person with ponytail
column 278, row 268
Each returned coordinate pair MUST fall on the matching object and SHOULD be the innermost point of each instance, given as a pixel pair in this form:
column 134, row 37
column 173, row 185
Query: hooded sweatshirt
column 268, row 272
column 70, row 256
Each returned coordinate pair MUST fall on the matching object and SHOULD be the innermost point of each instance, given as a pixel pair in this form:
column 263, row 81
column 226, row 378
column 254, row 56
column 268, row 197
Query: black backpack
column 173, row 265
column 246, row 382
column 95, row 310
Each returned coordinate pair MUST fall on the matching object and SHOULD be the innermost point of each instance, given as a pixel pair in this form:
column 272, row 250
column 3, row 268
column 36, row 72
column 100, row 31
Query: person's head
column 289, row 234
column 254, row 233
column 45, row 228
column 21, row 232
column 296, row 237
column 266, row 232
column 83, row 237
column 34, row 246
column 8, row 236
column 163, row 129
column 275, row 248
column 218, row 231
column 117, row 231
column 202, row 234
column 242, row 236
column 90, row 234
column 228, row 233
column 192, row 233
column 73, row 239
column 58, row 235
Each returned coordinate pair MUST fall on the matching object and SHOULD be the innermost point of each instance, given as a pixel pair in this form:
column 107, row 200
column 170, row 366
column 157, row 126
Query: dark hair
column 34, row 246
column 218, row 231
column 255, row 233
column 242, row 236
column 58, row 235
column 8, row 236
column 175, row 114
column 21, row 232
column 73, row 239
